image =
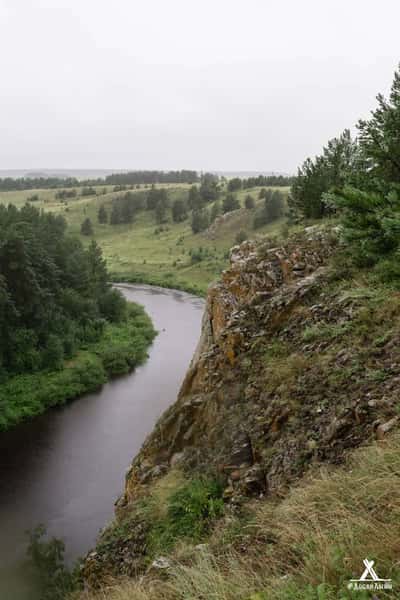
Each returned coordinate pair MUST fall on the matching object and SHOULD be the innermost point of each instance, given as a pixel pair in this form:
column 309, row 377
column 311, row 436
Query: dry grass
column 304, row 547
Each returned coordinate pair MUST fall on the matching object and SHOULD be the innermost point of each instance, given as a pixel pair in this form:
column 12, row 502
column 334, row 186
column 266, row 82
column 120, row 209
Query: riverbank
column 121, row 348
column 66, row 468
column 170, row 282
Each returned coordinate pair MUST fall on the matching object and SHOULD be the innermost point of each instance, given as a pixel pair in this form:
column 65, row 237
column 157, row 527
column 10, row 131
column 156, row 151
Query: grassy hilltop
column 168, row 254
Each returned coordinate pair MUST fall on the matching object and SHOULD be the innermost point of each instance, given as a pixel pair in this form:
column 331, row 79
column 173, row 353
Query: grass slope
column 138, row 253
column 306, row 547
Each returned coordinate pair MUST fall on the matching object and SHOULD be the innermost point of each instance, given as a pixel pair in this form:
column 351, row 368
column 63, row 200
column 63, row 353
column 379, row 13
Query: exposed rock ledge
column 281, row 379
column 220, row 419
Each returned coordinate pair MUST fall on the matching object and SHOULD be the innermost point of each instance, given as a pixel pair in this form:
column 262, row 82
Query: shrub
column 190, row 513
column 47, row 563
column 112, row 306
column 241, row 236
column 53, row 354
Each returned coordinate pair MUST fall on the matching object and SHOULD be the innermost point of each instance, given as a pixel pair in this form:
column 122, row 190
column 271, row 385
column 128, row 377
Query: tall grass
column 305, row 547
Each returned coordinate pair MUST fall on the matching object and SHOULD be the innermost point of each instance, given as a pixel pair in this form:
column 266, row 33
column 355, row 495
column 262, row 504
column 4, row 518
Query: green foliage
column 102, row 215
column 267, row 180
column 191, row 511
column 230, row 202
column 327, row 331
column 249, row 202
column 155, row 196
column 51, row 289
column 88, row 191
column 209, row 187
column 274, row 205
column 152, row 177
column 380, row 137
column 113, row 306
column 87, row 227
column 241, row 236
column 161, row 209
column 179, row 210
column 46, row 559
column 120, row 348
column 272, row 209
column 370, row 224
column 53, row 353
column 200, row 220
column 332, row 169
column 65, row 194
column 125, row 208
column 234, row 184
column 195, row 200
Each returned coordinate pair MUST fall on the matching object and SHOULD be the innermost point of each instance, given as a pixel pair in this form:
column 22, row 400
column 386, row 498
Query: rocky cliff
column 290, row 371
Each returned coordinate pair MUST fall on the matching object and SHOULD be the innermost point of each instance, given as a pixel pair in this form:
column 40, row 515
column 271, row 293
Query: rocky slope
column 295, row 365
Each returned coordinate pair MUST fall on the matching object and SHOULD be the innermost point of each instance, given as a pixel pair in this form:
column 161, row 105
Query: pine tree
column 179, row 210
column 102, row 215
column 274, row 206
column 87, row 227
column 115, row 218
column 229, row 203
column 249, row 202
column 370, row 224
column 380, row 136
column 200, row 220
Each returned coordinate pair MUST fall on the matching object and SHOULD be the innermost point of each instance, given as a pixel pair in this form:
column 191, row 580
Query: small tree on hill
column 179, row 210
column 200, row 220
column 249, row 202
column 87, row 227
column 229, row 203
column 274, row 206
column 234, row 184
column 102, row 215
column 115, row 218
column 161, row 210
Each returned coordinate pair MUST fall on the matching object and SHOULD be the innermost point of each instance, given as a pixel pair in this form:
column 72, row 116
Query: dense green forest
column 55, row 300
column 132, row 178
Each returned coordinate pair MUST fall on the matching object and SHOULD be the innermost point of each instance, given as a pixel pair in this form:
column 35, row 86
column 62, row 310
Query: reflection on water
column 66, row 468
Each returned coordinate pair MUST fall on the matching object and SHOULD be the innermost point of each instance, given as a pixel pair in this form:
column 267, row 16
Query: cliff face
column 289, row 371
column 227, row 419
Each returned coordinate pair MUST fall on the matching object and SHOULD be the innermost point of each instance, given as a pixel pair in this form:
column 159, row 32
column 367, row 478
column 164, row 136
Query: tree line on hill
column 205, row 202
column 122, row 180
column 133, row 177
column 8, row 184
column 54, row 294
column 359, row 179
column 238, row 183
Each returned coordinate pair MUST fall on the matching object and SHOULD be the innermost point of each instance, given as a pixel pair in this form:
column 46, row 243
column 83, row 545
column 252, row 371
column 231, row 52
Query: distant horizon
column 166, row 83
column 71, row 172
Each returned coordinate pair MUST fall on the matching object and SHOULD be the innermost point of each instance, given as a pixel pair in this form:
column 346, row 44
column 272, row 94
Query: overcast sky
column 216, row 84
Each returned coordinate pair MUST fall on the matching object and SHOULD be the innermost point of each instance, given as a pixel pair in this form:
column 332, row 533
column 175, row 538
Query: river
column 66, row 468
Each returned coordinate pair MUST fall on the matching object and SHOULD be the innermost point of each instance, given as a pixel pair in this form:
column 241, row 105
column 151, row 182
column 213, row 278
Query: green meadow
column 170, row 255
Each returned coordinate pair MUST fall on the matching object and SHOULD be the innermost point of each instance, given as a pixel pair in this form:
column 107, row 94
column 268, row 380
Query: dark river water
column 66, row 468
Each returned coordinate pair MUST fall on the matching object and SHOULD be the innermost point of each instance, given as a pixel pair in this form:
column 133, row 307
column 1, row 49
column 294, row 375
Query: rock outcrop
column 274, row 385
column 222, row 419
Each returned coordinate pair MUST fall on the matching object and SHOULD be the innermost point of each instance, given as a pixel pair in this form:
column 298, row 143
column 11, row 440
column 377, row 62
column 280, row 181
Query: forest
column 8, row 184
column 55, row 300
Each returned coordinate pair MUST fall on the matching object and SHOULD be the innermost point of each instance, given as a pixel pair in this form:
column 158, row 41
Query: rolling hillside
column 169, row 254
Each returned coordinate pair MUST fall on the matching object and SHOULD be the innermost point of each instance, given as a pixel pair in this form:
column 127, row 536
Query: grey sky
column 216, row 84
